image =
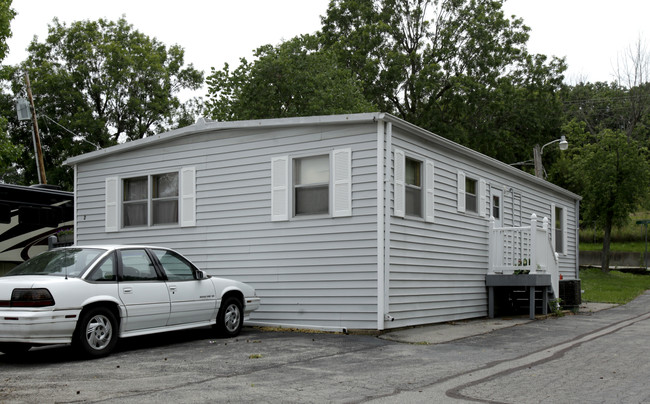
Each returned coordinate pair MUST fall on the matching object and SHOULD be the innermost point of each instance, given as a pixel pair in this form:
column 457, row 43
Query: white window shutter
column 188, row 197
column 482, row 192
column 342, row 182
column 112, row 204
column 564, row 231
column 399, row 179
column 552, row 224
column 280, row 188
column 461, row 191
column 429, row 179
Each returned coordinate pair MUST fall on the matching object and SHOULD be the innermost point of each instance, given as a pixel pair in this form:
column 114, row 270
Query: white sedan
column 90, row 296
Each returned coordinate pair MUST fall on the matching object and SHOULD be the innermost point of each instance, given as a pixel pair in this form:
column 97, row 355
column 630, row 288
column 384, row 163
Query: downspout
column 577, row 214
column 387, row 193
column 381, row 278
column 75, row 231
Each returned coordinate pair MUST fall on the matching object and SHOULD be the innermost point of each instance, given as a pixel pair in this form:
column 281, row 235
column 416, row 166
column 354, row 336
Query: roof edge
column 450, row 145
column 202, row 125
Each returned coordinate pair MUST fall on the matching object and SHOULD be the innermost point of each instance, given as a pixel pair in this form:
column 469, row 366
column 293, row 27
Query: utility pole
column 537, row 159
column 37, row 139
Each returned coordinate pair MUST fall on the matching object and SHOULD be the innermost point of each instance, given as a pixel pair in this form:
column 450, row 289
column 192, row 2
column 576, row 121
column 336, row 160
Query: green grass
column 613, row 287
column 628, row 246
column 630, row 236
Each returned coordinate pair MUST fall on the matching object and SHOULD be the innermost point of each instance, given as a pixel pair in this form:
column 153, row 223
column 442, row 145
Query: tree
column 456, row 67
column 8, row 151
column 613, row 176
column 294, row 78
column 97, row 82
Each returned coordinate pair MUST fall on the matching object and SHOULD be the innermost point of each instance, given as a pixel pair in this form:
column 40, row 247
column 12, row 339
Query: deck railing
column 523, row 250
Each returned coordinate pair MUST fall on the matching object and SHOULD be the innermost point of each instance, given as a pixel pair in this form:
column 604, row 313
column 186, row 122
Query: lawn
column 613, row 287
column 625, row 246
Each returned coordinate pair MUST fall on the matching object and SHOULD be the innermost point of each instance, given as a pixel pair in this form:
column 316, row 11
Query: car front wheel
column 230, row 318
column 96, row 332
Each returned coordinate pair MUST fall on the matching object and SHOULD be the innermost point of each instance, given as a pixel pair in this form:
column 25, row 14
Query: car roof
column 116, row 246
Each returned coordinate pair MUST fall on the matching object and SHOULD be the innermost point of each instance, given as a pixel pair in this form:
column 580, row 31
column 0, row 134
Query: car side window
column 137, row 266
column 175, row 267
column 104, row 272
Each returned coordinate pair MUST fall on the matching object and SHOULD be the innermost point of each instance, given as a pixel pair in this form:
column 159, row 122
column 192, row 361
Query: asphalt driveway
column 588, row 358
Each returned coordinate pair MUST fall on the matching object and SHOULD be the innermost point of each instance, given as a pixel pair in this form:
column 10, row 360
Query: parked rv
column 28, row 216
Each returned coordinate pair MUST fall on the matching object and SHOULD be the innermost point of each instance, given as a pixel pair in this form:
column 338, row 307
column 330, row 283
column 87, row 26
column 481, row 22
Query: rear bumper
column 38, row 327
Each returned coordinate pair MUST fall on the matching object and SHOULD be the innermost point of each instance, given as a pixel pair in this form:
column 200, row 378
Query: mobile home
column 359, row 221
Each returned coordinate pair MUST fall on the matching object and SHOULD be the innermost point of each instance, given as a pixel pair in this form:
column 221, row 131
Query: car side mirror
column 199, row 274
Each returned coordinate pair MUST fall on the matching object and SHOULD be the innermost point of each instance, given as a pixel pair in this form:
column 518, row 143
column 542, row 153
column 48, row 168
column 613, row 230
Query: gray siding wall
column 318, row 271
column 321, row 271
column 437, row 270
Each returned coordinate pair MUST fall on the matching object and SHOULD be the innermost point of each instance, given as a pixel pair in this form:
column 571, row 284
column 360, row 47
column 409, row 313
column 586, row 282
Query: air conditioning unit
column 23, row 110
column 570, row 293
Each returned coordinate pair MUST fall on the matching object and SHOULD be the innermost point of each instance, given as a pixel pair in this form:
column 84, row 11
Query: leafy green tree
column 457, row 67
column 8, row 151
column 294, row 78
column 603, row 106
column 613, row 176
column 97, row 82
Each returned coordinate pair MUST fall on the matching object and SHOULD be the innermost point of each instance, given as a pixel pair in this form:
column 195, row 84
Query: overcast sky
column 591, row 34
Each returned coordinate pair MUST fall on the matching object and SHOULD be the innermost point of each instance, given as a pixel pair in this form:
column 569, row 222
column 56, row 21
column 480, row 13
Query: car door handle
column 127, row 290
column 172, row 288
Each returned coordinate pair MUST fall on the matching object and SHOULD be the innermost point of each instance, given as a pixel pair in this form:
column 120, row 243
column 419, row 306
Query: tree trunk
column 604, row 261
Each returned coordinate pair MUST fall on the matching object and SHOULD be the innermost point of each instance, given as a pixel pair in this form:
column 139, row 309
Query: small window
column 160, row 198
column 559, row 230
column 496, row 207
column 470, row 195
column 311, row 185
column 413, row 185
column 175, row 267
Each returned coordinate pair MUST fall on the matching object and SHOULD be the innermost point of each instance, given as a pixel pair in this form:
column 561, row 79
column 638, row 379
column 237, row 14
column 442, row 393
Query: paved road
column 592, row 358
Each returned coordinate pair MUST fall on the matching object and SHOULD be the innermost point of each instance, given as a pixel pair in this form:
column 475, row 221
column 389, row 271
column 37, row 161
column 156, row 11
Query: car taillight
column 31, row 298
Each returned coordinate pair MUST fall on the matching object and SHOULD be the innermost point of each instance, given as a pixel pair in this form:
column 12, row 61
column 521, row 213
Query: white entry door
column 497, row 206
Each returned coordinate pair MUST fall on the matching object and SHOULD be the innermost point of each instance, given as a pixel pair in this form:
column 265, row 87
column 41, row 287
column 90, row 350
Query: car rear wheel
column 96, row 334
column 230, row 318
column 14, row 348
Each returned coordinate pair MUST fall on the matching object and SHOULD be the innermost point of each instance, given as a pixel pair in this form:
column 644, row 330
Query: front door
column 497, row 206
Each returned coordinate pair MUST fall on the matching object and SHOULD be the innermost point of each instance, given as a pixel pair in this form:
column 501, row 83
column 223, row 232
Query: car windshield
column 70, row 262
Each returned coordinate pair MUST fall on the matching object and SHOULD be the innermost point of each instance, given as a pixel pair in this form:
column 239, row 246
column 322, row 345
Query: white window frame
column 340, row 185
column 186, row 200
column 563, row 221
column 482, row 208
column 427, row 186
